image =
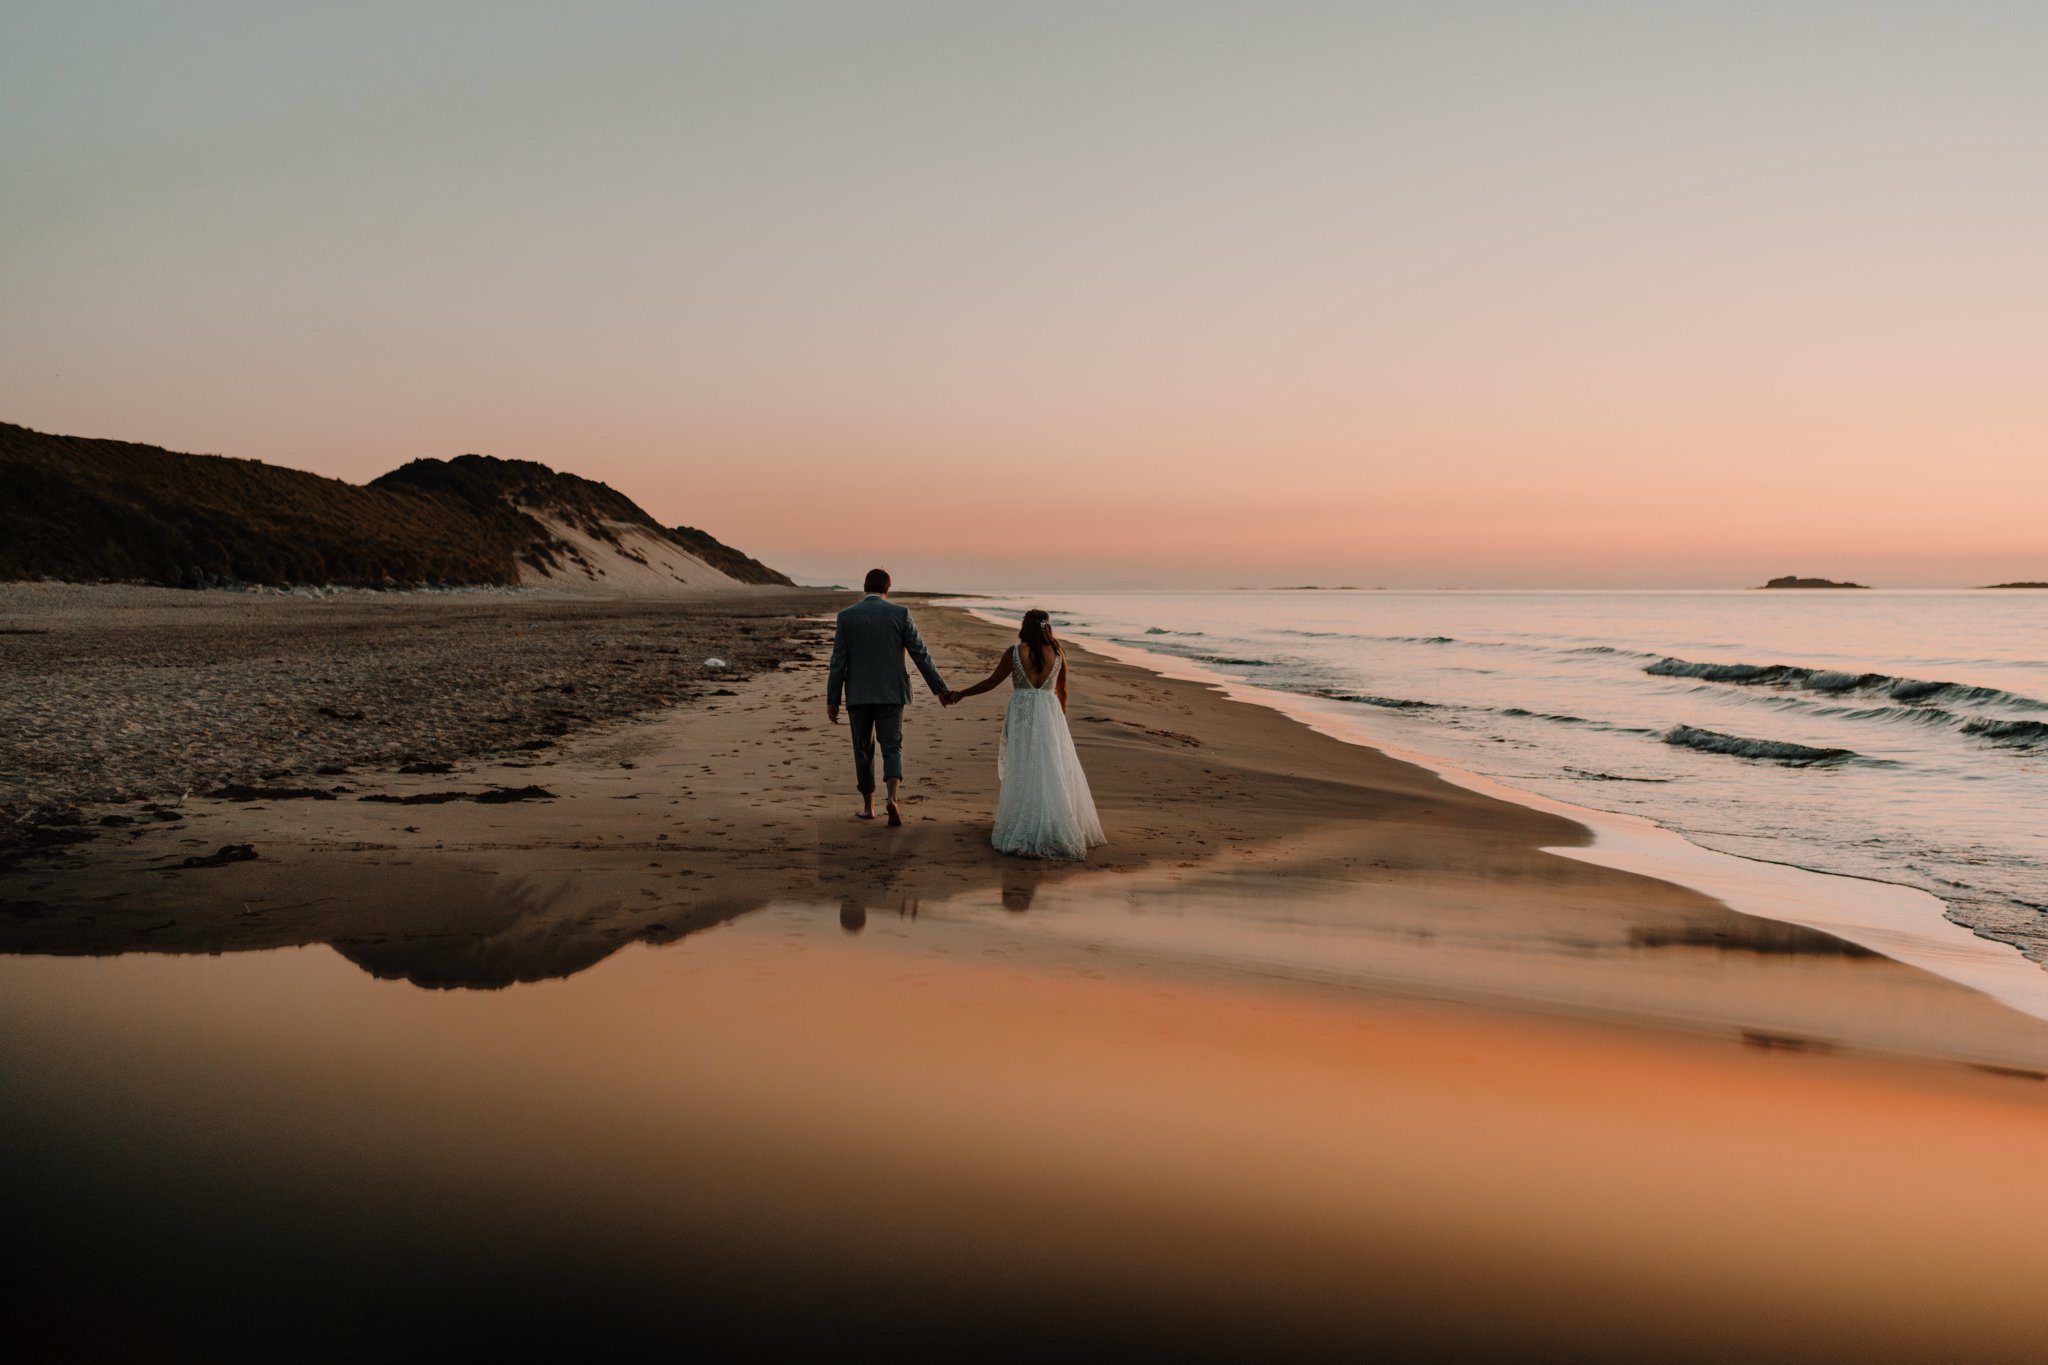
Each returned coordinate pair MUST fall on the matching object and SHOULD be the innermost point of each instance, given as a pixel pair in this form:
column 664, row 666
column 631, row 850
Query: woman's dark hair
column 1036, row 633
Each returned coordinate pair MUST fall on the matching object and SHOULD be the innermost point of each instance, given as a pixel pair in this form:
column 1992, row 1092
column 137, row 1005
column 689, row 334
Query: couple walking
column 1045, row 810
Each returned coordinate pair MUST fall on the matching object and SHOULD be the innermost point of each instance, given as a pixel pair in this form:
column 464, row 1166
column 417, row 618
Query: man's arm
column 835, row 676
column 922, row 657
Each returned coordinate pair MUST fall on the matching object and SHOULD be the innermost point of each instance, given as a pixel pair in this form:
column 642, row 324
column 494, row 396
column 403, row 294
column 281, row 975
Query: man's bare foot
column 895, row 819
column 863, row 815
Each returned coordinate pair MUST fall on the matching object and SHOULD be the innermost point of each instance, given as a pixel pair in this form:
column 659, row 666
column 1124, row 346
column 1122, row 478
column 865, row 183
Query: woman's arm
column 1059, row 684
column 993, row 680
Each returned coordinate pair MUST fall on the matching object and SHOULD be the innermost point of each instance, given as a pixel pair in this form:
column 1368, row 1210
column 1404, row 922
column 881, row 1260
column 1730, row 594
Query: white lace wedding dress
column 1045, row 810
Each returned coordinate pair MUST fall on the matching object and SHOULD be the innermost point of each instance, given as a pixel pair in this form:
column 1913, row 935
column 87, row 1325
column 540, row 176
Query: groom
column 868, row 646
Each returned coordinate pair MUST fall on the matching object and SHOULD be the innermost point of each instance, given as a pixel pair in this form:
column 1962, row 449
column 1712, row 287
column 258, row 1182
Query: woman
column 1045, row 810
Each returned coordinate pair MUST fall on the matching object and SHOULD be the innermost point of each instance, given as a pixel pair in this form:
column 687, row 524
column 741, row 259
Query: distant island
column 1993, row 586
column 1789, row 581
column 89, row 511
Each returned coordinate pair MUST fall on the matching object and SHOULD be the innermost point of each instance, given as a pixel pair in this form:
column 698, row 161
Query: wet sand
column 1322, row 1051
column 781, row 1138
column 1231, row 815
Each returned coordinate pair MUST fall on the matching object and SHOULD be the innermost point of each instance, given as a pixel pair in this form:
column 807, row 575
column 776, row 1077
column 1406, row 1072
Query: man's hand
column 949, row 697
column 832, row 712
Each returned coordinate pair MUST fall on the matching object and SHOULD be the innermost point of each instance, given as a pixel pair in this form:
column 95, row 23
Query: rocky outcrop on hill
column 87, row 510
column 729, row 561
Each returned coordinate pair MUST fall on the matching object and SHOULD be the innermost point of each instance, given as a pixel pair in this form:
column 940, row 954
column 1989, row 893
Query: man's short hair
column 877, row 581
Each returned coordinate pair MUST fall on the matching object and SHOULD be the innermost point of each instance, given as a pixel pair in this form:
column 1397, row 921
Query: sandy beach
column 122, row 695
column 1320, row 1052
column 1521, row 490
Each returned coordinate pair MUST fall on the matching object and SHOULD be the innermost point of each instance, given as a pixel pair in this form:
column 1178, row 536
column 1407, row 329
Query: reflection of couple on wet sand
column 1045, row 810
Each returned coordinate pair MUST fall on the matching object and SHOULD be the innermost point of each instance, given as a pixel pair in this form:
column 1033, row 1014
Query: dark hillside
column 490, row 484
column 727, row 560
column 501, row 493
column 89, row 510
column 85, row 509
column 485, row 481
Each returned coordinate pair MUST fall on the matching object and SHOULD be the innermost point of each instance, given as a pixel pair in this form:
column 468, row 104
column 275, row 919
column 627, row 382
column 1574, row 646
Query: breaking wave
column 1157, row 641
column 1932, row 717
column 2030, row 734
column 1776, row 751
column 1304, row 634
column 1834, row 682
column 1610, row 649
column 1522, row 712
column 1390, row 703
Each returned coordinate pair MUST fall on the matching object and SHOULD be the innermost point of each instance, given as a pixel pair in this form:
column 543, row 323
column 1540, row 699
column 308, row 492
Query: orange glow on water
column 770, row 1112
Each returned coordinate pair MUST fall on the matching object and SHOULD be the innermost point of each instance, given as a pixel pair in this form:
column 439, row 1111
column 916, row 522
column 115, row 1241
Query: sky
column 1119, row 294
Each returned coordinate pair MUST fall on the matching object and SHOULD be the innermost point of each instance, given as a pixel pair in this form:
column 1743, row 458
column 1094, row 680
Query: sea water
column 1897, row 736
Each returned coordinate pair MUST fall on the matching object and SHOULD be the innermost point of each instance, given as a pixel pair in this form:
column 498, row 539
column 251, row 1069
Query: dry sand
column 1320, row 1049
column 123, row 694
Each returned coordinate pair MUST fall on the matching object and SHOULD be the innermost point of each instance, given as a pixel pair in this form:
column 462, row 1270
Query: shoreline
column 658, row 824
column 1812, row 898
column 1899, row 746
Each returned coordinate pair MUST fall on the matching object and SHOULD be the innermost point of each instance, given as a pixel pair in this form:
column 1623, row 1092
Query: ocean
column 1895, row 736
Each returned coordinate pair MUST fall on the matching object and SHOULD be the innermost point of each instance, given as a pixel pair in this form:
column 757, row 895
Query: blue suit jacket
column 868, row 645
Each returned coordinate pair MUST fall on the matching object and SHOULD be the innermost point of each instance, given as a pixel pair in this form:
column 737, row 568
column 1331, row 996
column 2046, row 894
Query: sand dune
column 626, row 560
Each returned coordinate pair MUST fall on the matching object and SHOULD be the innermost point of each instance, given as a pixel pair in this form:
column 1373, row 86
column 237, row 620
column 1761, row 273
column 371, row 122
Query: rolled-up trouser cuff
column 872, row 725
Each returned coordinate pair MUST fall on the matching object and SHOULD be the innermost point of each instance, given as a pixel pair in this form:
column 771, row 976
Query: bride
column 1045, row 810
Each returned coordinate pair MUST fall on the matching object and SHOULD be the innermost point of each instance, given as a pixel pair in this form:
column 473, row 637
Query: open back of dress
column 1046, row 810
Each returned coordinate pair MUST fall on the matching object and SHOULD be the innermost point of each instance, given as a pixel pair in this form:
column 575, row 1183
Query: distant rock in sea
column 1789, row 581
column 1992, row 586
column 88, row 510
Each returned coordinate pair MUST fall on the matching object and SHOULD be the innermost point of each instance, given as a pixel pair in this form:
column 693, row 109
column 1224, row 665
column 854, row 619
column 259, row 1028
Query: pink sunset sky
column 1048, row 295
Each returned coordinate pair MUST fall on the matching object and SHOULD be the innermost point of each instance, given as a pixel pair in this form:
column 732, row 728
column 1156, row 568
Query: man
column 868, row 645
